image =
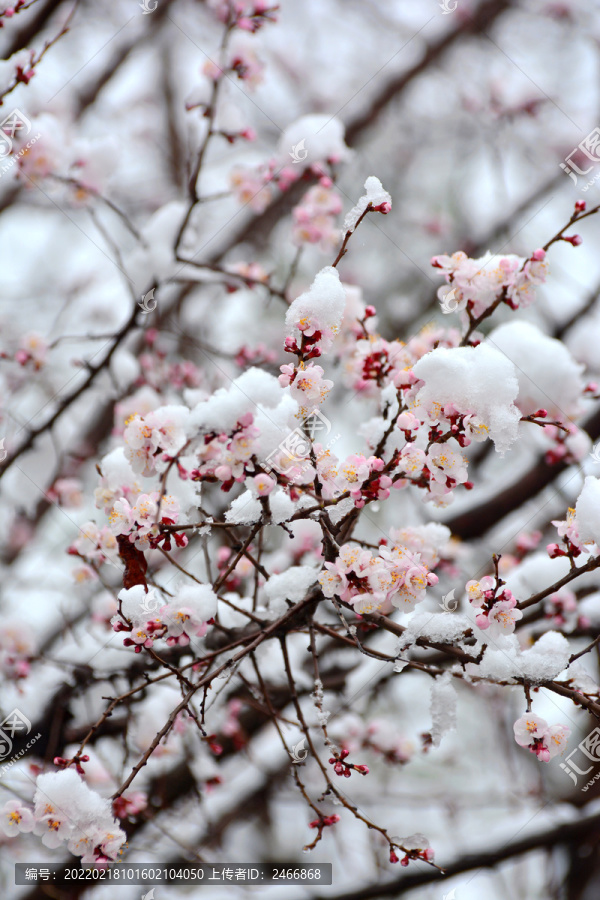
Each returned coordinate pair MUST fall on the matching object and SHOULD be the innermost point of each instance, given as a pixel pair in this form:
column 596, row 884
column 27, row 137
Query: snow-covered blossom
column 66, row 810
column 317, row 313
column 374, row 198
column 146, row 618
column 225, row 456
column 546, row 741
column 471, row 381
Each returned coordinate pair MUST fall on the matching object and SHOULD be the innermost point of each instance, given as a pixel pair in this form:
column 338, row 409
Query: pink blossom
column 15, row 818
column 545, row 741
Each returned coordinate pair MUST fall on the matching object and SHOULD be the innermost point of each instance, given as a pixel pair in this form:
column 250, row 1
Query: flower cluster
column 476, row 283
column 94, row 544
column 226, row 456
column 393, row 578
column 158, row 436
column 65, row 810
column 146, row 618
column 314, row 216
column 307, row 383
column 142, row 521
column 496, row 609
column 546, row 741
column 568, row 531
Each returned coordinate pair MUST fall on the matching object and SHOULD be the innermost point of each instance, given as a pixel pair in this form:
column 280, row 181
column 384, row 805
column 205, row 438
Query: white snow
column 443, row 706
column 587, row 510
column 442, row 627
column 226, row 406
column 200, row 598
column 548, row 657
column 325, row 301
column 549, row 378
column 281, row 505
column 244, row 510
column 291, row 585
column 478, row 380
